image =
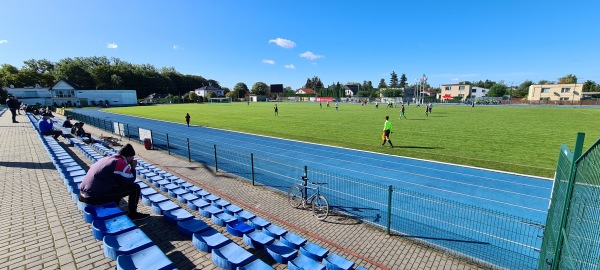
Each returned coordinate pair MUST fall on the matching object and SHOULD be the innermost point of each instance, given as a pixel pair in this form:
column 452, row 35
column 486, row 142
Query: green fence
column 572, row 235
column 483, row 235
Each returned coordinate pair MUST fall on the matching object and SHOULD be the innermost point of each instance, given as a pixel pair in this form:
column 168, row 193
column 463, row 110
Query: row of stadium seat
column 109, row 223
column 257, row 233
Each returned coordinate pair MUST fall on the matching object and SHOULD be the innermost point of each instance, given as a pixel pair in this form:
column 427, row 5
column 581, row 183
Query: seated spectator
column 47, row 127
column 79, row 131
column 67, row 123
column 112, row 178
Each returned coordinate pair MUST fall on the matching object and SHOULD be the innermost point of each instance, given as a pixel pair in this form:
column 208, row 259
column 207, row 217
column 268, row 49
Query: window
column 473, row 90
column 447, row 88
column 461, row 95
column 564, row 98
column 462, row 87
column 545, row 90
column 565, row 90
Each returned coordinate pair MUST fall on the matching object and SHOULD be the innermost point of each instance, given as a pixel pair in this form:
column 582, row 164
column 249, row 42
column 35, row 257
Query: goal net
column 225, row 100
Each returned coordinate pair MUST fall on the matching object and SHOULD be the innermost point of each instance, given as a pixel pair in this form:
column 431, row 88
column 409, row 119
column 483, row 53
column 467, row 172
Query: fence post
column 252, row 166
column 189, row 154
column 559, row 242
column 168, row 147
column 389, row 212
column 216, row 163
column 128, row 137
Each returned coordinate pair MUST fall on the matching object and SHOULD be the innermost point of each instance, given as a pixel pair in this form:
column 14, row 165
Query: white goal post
column 223, row 100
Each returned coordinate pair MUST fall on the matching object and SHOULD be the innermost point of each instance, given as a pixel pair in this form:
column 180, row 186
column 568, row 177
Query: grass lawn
column 521, row 139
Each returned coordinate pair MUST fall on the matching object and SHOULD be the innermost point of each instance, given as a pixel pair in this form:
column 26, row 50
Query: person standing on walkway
column 112, row 178
column 336, row 106
column 387, row 129
column 402, row 112
column 47, row 127
column 276, row 110
column 187, row 119
column 13, row 105
column 472, row 105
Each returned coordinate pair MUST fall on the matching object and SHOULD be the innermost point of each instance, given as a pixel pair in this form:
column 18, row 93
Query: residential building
column 206, row 90
column 555, row 92
column 450, row 91
column 306, row 91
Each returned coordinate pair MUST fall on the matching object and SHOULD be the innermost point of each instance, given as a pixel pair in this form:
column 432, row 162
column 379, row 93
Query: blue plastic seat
column 168, row 187
column 202, row 193
column 148, row 191
column 231, row 256
column 280, row 252
column 257, row 264
column 221, row 219
column 238, row 228
column 211, row 198
column 160, row 207
column 208, row 240
column 314, row 251
column 209, row 210
column 257, row 239
column 184, row 198
column 258, row 223
column 243, row 215
column 292, row 240
column 194, row 189
column 232, row 209
column 112, row 226
column 126, row 243
column 336, row 262
column 302, row 263
column 154, row 198
column 160, row 183
column 100, row 212
column 191, row 226
column 274, row 231
column 221, row 203
column 198, row 203
column 176, row 215
column 177, row 192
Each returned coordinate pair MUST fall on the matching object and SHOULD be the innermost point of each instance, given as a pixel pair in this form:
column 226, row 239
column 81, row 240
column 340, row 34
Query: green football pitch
column 521, row 139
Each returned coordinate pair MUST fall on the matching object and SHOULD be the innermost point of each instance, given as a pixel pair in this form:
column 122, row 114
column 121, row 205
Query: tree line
column 100, row 72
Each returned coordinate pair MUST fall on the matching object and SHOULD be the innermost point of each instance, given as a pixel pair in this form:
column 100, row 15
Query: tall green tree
column 240, row 89
column 260, row 88
column 497, row 90
column 403, row 80
column 523, row 89
column 382, row 84
column 589, row 86
column 570, row 78
column 394, row 80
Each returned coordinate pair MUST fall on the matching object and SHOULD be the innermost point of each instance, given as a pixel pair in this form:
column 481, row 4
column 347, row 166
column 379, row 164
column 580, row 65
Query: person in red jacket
column 112, row 178
column 187, row 119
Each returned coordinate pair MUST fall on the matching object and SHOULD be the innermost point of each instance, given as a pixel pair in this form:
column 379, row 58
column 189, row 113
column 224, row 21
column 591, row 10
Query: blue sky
column 289, row 41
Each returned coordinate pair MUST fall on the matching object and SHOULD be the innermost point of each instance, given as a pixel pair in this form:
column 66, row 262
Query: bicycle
column 298, row 196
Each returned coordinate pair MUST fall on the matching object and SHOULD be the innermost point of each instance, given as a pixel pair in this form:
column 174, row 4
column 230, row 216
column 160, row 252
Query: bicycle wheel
column 320, row 207
column 295, row 196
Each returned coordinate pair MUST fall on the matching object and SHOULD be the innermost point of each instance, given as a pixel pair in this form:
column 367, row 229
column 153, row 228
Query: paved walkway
column 41, row 228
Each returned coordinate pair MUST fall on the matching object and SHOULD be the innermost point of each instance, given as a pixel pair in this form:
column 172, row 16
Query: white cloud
column 284, row 43
column 176, row 47
column 455, row 79
column 112, row 45
column 2, row 41
column 270, row 62
column 290, row 66
column 311, row 56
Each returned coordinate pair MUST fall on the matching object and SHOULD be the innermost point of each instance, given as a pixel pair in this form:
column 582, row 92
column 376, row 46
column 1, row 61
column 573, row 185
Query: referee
column 387, row 129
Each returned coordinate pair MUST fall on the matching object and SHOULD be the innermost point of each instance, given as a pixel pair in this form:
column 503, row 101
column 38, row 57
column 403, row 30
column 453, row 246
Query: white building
column 206, row 90
column 64, row 93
